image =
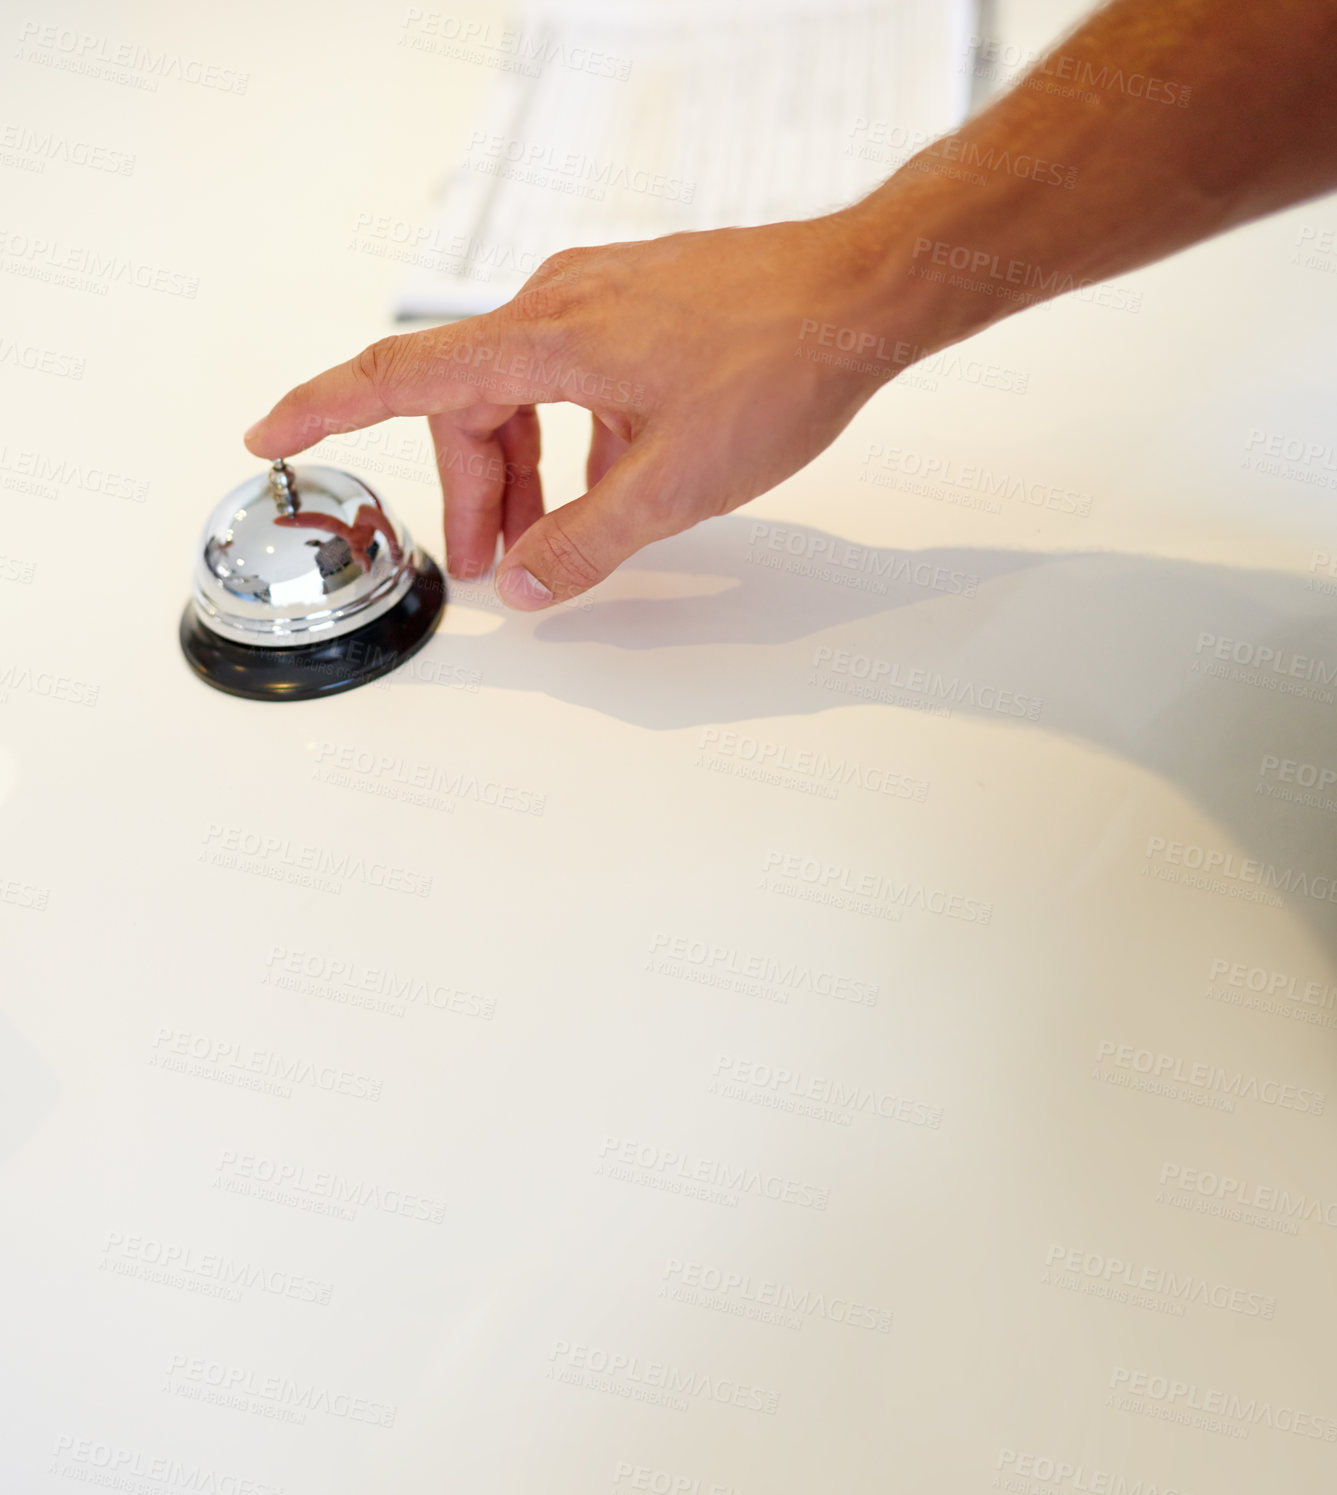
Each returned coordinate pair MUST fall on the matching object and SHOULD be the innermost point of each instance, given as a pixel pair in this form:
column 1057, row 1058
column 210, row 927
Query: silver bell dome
column 298, row 556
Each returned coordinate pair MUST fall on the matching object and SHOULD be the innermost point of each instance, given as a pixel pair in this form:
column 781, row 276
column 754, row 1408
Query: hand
column 692, row 355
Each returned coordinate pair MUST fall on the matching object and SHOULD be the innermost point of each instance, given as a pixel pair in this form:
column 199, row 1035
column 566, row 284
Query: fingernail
column 520, row 588
column 251, row 430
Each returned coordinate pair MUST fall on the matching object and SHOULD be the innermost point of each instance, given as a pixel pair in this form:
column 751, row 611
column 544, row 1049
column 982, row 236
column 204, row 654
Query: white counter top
column 851, row 1006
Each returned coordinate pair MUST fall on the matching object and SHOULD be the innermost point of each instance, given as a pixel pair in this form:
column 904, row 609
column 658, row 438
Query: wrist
column 929, row 269
column 909, row 270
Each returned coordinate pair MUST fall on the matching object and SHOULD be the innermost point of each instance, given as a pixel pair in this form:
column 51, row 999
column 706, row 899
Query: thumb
column 566, row 552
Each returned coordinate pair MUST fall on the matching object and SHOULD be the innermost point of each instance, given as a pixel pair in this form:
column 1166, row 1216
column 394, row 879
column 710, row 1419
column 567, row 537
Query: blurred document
column 616, row 121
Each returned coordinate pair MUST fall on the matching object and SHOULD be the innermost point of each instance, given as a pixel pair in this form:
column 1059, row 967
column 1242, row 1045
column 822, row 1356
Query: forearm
column 1172, row 119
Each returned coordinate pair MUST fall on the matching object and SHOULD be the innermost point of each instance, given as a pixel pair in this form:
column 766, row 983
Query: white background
column 596, row 850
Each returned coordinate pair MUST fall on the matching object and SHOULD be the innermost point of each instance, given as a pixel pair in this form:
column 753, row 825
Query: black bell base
column 324, row 669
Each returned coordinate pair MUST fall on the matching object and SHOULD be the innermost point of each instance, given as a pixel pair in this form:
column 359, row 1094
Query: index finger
column 415, row 373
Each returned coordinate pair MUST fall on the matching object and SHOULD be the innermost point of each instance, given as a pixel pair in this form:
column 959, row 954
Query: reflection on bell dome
column 299, row 554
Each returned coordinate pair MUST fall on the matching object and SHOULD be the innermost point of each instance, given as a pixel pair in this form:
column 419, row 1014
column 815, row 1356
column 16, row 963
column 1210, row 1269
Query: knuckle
column 561, row 285
column 479, row 493
column 381, row 364
column 562, row 263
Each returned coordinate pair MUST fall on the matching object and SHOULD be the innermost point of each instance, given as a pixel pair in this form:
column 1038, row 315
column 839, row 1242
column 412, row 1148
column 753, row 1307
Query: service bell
column 305, row 584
